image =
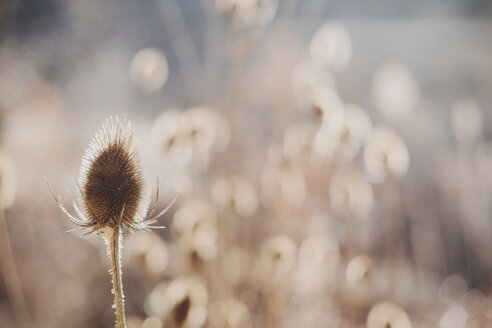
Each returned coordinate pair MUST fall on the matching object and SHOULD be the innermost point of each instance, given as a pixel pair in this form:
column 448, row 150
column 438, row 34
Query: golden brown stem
column 114, row 243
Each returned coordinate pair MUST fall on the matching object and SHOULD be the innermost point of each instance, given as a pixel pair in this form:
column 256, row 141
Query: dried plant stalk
column 11, row 277
column 113, row 237
column 113, row 196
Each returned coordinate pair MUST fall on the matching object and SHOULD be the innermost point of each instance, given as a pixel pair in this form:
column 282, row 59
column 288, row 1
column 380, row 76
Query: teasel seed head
column 111, row 185
column 112, row 190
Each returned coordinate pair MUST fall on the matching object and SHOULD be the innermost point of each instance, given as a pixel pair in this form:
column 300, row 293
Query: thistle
column 113, row 195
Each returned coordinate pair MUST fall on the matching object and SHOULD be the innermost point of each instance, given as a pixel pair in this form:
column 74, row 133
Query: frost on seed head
column 111, row 185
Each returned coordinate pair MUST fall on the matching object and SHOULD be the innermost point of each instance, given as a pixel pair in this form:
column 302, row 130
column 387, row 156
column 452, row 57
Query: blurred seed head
column 247, row 12
column 452, row 289
column 171, row 133
column 385, row 155
column 454, row 317
column 182, row 303
column 358, row 271
column 306, row 78
column 388, row 315
column 210, row 130
column 7, row 180
column 355, row 131
column 114, row 192
column 395, row 90
column 327, row 138
column 474, row 302
column 319, row 250
column 189, row 135
column 152, row 322
column 279, row 252
column 203, row 242
column 275, row 262
column 317, row 264
column 285, row 180
column 328, row 104
column 332, row 46
column 149, row 70
column 230, row 313
column 321, row 313
column 147, row 250
column 134, row 322
column 350, row 194
column 196, row 222
column 237, row 194
column 202, row 128
column 194, row 213
column 466, row 120
column 297, row 142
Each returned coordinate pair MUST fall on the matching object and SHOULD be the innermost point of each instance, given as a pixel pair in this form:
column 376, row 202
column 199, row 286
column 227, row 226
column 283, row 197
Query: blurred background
column 333, row 160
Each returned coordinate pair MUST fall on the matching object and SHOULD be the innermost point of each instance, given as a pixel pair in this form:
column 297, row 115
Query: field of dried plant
column 320, row 164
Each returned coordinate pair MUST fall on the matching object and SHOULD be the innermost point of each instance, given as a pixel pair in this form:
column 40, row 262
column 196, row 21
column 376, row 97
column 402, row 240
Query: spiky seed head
column 112, row 189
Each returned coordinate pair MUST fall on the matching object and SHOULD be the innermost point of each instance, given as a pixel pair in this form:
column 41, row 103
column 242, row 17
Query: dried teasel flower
column 112, row 195
column 112, row 190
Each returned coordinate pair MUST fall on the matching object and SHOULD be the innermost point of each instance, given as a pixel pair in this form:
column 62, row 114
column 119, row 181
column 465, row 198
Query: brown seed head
column 111, row 185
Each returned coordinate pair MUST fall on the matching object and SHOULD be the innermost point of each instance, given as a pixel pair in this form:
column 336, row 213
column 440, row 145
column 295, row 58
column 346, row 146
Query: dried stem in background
column 11, row 277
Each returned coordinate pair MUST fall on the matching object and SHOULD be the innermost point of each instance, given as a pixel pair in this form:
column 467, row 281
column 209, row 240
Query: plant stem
column 11, row 276
column 119, row 298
